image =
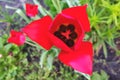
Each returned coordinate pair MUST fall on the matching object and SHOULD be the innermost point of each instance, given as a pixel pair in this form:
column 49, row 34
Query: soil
column 111, row 64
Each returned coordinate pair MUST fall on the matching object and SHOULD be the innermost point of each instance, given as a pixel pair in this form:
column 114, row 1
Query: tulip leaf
column 43, row 58
column 7, row 47
column 85, row 75
column 50, row 61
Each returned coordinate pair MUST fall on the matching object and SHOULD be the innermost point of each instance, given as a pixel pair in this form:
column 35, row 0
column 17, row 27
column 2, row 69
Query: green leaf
column 50, row 61
column 43, row 58
column 85, row 75
column 69, row 3
column 8, row 1
column 7, row 47
column 118, row 52
column 15, row 49
column 57, row 5
column 55, row 51
column 20, row 12
column 10, row 7
column 105, row 50
column 1, row 42
column 40, row 8
column 96, row 76
column 104, row 75
column 101, row 76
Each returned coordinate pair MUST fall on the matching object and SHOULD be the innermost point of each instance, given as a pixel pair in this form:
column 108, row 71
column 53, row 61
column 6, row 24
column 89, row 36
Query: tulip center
column 67, row 34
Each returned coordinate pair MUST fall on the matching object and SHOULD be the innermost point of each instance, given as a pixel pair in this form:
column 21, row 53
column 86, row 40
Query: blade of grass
column 50, row 60
column 8, row 1
column 105, row 50
column 69, row 3
column 2, row 20
column 9, row 7
column 43, row 58
column 85, row 75
column 20, row 12
column 42, row 11
column 57, row 5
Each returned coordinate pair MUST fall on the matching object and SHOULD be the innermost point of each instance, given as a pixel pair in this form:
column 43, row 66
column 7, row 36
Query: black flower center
column 67, row 34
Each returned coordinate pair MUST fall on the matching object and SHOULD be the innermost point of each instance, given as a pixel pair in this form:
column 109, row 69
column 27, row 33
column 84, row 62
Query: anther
column 62, row 28
column 57, row 33
column 73, row 35
column 63, row 38
column 70, row 27
column 70, row 42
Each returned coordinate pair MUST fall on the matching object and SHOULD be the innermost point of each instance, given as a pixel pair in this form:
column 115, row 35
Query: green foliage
column 6, row 17
column 11, row 60
column 23, row 63
column 104, row 18
column 53, row 7
column 72, row 3
column 47, row 57
column 102, row 76
column 8, row 20
column 20, row 12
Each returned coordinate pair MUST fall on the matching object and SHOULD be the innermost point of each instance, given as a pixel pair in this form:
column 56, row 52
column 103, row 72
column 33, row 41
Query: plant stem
column 30, row 44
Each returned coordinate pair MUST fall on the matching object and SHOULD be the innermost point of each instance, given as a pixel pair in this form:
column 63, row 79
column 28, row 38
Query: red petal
column 79, row 60
column 16, row 37
column 38, row 31
column 31, row 10
column 63, row 19
column 79, row 13
column 59, row 43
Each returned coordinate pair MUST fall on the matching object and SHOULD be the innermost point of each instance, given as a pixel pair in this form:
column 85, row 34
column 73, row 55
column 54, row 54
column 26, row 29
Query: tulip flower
column 66, row 31
column 31, row 10
column 17, row 38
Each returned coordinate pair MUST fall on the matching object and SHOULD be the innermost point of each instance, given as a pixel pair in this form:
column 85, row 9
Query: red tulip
column 17, row 38
column 31, row 10
column 66, row 32
column 38, row 31
column 80, row 60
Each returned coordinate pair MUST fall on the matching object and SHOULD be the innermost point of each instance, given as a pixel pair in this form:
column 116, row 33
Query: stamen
column 70, row 42
column 66, row 34
column 63, row 38
column 73, row 35
column 70, row 27
column 57, row 33
column 62, row 28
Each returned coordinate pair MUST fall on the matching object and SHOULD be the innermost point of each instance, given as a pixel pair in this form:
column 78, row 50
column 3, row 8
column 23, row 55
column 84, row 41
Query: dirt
column 111, row 64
